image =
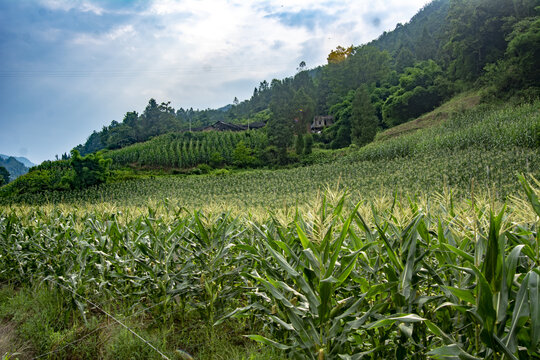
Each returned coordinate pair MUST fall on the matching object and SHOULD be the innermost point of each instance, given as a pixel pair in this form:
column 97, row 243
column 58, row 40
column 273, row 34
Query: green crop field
column 421, row 246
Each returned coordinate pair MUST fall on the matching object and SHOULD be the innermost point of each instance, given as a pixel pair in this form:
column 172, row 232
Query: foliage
column 421, row 88
column 488, row 146
column 280, row 126
column 4, row 176
column 299, row 144
column 62, row 175
column 448, row 46
column 518, row 71
column 363, row 119
column 14, row 167
column 308, row 144
column 339, row 55
column 90, row 170
column 242, row 156
column 345, row 280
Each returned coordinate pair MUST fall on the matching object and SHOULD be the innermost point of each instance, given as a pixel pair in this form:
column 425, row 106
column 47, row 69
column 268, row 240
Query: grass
column 458, row 104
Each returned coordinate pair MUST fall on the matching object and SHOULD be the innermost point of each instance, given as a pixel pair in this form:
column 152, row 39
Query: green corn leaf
column 484, row 303
column 451, row 352
column 409, row 318
column 389, row 251
column 282, row 323
column 504, row 349
column 534, row 306
column 531, row 194
column 406, row 275
column 493, row 262
column 306, row 243
column 281, row 260
column 266, row 341
column 459, row 252
column 347, row 268
column 462, row 294
column 313, row 260
column 336, row 247
column 437, row 331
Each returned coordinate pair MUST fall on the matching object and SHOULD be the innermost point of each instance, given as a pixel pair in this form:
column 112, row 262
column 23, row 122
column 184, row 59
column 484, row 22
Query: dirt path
column 10, row 345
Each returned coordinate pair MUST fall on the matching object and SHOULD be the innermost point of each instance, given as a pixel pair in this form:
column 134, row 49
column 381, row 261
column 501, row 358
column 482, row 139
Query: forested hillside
column 449, row 46
column 13, row 166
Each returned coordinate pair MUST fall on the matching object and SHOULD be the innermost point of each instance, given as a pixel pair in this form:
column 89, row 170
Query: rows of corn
column 481, row 150
column 403, row 279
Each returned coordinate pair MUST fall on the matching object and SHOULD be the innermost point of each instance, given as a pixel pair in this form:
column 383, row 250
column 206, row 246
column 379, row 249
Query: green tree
column 89, row 170
column 476, row 33
column 242, row 155
column 364, row 122
column 421, row 88
column 299, row 144
column 280, row 125
column 340, row 132
column 308, row 144
column 303, row 111
column 520, row 69
column 4, row 176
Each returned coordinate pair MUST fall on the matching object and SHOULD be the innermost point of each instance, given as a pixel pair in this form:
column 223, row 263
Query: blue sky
column 68, row 67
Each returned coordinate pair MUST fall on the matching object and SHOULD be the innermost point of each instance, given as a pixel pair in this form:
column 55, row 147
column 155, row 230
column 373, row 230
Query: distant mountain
column 225, row 108
column 13, row 166
column 20, row 159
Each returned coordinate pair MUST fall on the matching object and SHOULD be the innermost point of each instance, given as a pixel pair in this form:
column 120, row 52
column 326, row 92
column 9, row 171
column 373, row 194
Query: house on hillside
column 320, row 122
column 223, row 126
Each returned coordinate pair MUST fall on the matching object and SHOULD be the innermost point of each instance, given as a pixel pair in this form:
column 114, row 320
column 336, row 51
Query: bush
column 90, row 170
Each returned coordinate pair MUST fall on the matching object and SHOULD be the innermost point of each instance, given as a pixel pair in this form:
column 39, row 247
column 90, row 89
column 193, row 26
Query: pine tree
column 363, row 120
column 299, row 144
column 280, row 126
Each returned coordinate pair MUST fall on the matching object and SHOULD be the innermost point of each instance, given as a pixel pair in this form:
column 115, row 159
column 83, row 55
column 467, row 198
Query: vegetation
column 4, row 176
column 409, row 239
column 487, row 146
column 187, row 150
column 379, row 280
column 448, row 47
column 76, row 173
column 14, row 168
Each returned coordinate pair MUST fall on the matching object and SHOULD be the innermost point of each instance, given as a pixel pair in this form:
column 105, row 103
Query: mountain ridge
column 25, row 161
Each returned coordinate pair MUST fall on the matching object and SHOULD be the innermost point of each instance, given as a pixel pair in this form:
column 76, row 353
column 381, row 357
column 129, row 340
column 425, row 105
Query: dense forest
column 449, row 46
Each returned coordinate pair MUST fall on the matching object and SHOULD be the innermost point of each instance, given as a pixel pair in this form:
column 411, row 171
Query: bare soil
column 10, row 345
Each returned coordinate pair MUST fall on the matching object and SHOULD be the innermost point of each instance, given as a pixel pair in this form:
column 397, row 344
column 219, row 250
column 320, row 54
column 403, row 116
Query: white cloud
column 185, row 51
column 67, row 5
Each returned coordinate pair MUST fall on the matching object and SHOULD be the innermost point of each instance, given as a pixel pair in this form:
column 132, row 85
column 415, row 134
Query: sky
column 69, row 67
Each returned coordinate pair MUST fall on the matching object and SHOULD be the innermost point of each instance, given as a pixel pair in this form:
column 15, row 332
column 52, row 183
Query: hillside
column 13, row 166
column 481, row 148
column 459, row 103
column 20, row 159
column 445, row 49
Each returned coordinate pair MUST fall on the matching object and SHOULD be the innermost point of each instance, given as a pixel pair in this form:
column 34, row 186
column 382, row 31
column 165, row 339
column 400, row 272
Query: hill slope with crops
column 402, row 248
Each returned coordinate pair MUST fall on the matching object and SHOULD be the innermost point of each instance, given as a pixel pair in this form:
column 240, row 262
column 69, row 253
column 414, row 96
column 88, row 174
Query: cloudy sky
column 68, row 67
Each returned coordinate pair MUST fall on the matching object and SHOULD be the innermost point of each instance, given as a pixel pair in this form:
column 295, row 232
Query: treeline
column 157, row 119
column 78, row 172
column 448, row 47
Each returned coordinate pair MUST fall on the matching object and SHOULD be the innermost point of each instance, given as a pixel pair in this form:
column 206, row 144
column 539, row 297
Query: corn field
column 423, row 246
column 185, row 150
column 408, row 279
